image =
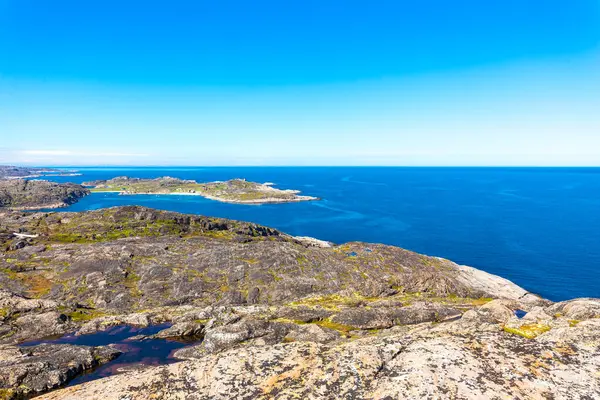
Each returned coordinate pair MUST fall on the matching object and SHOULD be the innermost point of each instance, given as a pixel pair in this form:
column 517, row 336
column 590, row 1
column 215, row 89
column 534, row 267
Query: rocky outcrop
column 34, row 194
column 22, row 318
column 26, row 371
column 280, row 317
column 125, row 259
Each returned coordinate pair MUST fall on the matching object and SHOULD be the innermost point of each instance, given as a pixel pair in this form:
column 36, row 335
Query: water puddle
column 136, row 353
column 520, row 313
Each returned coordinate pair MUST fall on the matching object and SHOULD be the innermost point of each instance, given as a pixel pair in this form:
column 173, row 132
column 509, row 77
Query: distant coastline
column 42, row 176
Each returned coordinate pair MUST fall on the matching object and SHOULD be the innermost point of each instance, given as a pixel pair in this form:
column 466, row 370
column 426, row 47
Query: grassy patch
column 105, row 228
column 99, row 190
column 38, row 285
column 334, row 302
column 223, row 235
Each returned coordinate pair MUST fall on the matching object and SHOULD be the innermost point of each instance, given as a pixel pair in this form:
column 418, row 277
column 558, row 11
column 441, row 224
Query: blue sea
column 539, row 227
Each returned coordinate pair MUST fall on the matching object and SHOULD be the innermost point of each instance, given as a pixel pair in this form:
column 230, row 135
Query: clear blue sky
column 324, row 82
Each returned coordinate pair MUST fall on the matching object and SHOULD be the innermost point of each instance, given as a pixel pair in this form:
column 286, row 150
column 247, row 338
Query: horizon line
column 291, row 166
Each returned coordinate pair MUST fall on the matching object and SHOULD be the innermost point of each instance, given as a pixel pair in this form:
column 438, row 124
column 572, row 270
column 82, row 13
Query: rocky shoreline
column 266, row 200
column 50, row 206
column 268, row 315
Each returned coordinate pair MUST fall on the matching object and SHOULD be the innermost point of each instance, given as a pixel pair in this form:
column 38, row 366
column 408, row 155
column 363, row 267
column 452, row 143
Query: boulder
column 578, row 309
column 181, row 330
column 311, row 333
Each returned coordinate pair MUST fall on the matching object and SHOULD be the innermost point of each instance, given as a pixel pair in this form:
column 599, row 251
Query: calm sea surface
column 539, row 227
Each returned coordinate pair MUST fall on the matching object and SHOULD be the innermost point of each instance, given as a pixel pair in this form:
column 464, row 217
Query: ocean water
column 539, row 227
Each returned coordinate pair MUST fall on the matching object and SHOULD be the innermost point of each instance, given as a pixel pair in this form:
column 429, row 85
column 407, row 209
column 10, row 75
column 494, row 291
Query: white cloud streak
column 79, row 153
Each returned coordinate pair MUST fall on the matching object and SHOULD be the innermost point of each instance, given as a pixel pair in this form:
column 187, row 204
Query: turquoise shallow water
column 539, row 227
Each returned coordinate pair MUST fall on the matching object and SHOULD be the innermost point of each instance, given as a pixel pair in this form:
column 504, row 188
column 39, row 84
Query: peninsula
column 232, row 191
column 35, row 194
column 261, row 314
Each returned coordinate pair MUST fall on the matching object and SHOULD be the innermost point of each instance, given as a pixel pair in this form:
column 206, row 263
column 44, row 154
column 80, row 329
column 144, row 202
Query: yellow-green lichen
column 325, row 323
column 289, row 321
column 249, row 260
column 82, row 315
column 131, row 282
column 328, row 323
column 223, row 235
column 331, row 302
column 529, row 331
column 10, row 274
column 334, row 302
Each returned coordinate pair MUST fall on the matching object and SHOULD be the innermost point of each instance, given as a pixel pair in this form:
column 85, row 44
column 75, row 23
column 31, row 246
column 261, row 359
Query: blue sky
column 300, row 83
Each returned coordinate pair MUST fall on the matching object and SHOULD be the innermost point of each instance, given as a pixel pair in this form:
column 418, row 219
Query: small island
column 237, row 191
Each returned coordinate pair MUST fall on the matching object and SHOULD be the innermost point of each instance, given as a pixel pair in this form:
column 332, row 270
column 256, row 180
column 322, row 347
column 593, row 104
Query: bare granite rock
column 423, row 361
column 577, row 309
